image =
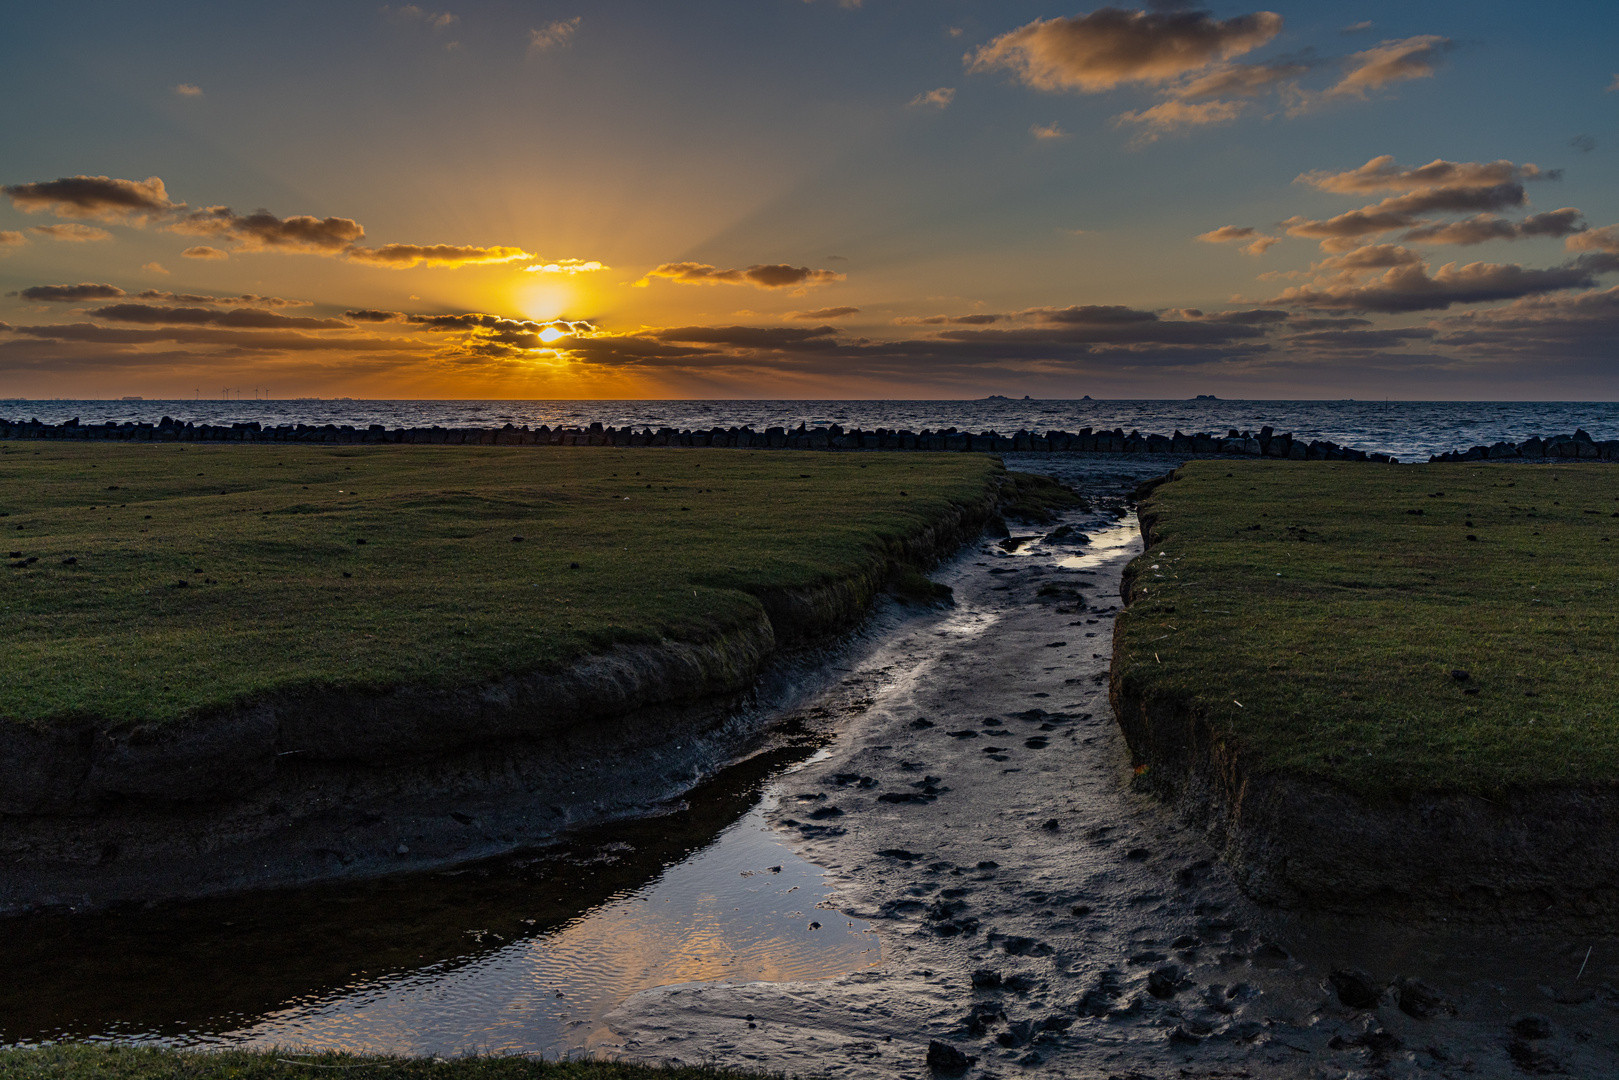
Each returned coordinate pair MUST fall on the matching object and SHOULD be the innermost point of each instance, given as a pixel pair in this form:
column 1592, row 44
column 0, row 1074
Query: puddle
column 524, row 953
column 1106, row 544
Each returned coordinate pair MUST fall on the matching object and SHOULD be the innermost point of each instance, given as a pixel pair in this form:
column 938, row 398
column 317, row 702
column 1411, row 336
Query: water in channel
column 525, row 953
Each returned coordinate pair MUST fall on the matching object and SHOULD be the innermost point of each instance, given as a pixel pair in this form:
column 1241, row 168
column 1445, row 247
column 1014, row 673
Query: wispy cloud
column 203, row 251
column 823, row 313
column 1052, row 130
column 556, row 35
column 1253, row 241
column 566, row 266
column 72, row 233
column 1390, row 62
column 406, row 256
column 186, row 89
column 936, row 99
column 11, row 240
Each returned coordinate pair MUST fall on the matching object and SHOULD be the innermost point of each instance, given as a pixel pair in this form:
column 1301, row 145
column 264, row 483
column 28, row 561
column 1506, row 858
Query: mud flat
column 1385, row 689
column 231, row 668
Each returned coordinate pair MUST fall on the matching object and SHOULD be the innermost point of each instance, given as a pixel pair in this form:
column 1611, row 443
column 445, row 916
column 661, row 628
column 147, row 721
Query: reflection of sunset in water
column 720, row 915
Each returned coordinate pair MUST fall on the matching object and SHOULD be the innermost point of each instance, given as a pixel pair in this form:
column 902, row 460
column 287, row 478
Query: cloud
column 937, row 99
column 764, row 276
column 1110, row 47
column 1357, row 28
column 1403, row 212
column 1484, row 227
column 228, row 338
column 1326, row 324
column 71, row 294
column 1583, row 143
column 203, row 251
column 979, row 319
column 1250, row 317
column 1176, row 115
column 155, row 268
column 1390, row 62
column 1258, row 242
column 556, row 35
column 1410, row 288
column 244, row 300
column 9, row 238
column 1603, row 239
column 1048, row 131
column 1243, row 80
column 186, row 89
column 1614, row 86
column 433, row 20
column 1383, row 174
column 1373, row 257
column 98, row 198
column 236, row 318
column 1541, row 328
column 263, row 231
column 405, row 256
column 566, row 266
column 72, row 233
column 1357, row 340
column 823, row 313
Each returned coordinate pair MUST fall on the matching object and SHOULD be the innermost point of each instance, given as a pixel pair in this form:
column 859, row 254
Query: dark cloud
column 1326, row 324
column 238, row 318
column 244, row 300
column 1411, row 288
column 980, row 319
column 70, row 294
column 372, row 315
column 823, row 313
column 1361, row 339
column 1583, row 143
column 751, row 337
column 1250, row 317
column 1542, row 328
column 263, row 231
column 1484, row 227
column 1089, row 315
column 99, row 197
column 1371, row 257
column 1110, row 47
column 764, row 276
column 229, row 338
column 1404, row 212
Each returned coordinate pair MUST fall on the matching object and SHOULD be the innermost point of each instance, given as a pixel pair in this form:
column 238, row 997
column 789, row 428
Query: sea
column 1408, row 430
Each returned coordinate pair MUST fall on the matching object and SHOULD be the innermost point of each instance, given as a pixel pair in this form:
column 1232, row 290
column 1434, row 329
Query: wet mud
column 1040, row 917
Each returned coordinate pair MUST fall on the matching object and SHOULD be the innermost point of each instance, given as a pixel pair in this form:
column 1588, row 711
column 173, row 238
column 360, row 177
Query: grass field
column 1317, row 615
column 146, row 583
column 145, row 1063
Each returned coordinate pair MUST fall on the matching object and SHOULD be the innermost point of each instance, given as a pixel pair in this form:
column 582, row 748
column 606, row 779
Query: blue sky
column 791, row 198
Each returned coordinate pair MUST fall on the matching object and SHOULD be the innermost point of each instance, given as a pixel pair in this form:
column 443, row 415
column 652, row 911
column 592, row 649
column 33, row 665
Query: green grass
column 80, row 1062
column 281, row 593
column 1311, row 594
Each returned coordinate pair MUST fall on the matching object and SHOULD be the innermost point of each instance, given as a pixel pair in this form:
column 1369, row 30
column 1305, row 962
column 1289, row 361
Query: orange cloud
column 203, row 251
column 1109, row 47
column 71, row 233
column 405, row 256
column 1390, row 62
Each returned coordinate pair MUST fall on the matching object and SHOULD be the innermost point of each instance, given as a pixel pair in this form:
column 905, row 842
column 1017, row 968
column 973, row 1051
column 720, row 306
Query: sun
column 545, row 300
column 551, row 333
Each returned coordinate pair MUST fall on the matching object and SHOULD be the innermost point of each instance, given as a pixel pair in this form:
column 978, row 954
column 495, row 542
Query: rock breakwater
column 1578, row 446
column 1264, row 443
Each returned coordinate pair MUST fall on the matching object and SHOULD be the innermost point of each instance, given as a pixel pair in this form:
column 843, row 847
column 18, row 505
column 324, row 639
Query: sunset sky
column 810, row 198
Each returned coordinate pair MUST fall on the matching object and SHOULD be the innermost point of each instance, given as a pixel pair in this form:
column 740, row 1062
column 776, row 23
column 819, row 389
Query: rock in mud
column 1421, row 1000
column 1355, row 988
column 944, row 1058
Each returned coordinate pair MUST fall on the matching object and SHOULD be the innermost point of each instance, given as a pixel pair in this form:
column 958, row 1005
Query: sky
column 810, row 199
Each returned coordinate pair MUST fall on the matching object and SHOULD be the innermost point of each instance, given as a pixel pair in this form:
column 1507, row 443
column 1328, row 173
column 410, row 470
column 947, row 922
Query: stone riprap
column 1263, row 443
column 1579, row 446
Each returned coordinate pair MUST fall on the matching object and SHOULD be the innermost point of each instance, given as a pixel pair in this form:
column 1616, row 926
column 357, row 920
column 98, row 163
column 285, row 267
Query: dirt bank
column 302, row 787
column 1548, row 854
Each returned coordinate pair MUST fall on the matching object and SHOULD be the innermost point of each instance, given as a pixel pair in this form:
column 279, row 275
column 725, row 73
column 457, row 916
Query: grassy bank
column 158, row 581
column 145, row 1063
column 1318, row 615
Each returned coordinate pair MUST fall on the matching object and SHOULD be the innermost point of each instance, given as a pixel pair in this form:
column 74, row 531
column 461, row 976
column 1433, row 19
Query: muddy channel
column 941, row 845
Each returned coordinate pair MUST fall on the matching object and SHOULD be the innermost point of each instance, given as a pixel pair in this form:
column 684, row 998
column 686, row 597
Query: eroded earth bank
column 1038, row 917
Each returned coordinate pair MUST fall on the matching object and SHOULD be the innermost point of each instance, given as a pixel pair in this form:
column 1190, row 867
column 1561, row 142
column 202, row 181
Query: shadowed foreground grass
column 1315, row 614
column 149, row 583
column 79, row 1062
